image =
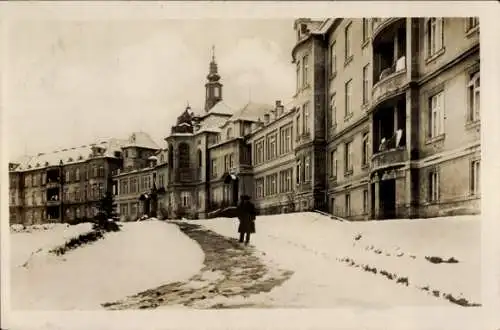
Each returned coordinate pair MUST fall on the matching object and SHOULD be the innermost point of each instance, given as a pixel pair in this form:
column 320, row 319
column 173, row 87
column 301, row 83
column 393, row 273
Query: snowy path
column 141, row 256
column 369, row 263
column 231, row 274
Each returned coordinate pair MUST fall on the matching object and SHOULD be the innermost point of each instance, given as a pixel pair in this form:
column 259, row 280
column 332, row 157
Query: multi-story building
column 136, row 186
column 65, row 185
column 384, row 123
column 399, row 98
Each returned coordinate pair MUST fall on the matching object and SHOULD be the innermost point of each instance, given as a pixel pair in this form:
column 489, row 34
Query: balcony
column 380, row 24
column 393, row 81
column 53, row 202
column 389, row 157
column 52, row 184
column 187, row 175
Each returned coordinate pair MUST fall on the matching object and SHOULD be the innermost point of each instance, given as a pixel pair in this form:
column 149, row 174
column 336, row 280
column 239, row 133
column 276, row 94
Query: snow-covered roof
column 252, row 112
column 221, row 108
column 141, row 140
column 70, row 155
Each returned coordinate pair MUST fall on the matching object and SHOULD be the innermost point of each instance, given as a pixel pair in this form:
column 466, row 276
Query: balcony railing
column 392, row 79
column 389, row 157
column 187, row 175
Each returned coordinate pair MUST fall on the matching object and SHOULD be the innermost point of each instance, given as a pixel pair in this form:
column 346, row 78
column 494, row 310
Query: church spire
column 213, row 86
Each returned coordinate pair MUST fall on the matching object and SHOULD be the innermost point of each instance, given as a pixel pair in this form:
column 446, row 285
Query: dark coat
column 246, row 215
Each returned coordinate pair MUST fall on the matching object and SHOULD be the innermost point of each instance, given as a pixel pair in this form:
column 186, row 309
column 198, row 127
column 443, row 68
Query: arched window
column 183, row 155
column 229, row 133
column 200, row 159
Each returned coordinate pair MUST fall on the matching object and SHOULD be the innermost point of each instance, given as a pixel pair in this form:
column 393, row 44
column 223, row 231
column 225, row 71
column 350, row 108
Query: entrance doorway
column 388, row 199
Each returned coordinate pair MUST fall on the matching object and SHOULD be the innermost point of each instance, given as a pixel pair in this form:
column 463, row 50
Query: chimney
column 266, row 118
column 279, row 108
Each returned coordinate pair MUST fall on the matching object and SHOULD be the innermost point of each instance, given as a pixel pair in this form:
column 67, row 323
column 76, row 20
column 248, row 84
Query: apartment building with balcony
column 403, row 120
column 62, row 186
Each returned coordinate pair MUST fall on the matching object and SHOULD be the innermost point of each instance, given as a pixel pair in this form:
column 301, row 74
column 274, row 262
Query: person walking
column 246, row 215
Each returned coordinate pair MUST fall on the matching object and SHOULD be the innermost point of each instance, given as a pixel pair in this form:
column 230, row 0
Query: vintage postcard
column 216, row 163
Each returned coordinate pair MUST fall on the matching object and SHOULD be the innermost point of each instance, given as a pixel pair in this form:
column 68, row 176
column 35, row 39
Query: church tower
column 213, row 86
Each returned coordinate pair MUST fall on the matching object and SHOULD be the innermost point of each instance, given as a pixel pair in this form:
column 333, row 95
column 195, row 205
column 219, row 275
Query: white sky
column 70, row 82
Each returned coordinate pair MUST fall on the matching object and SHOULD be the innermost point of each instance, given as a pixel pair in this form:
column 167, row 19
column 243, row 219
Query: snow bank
column 29, row 243
column 311, row 244
column 141, row 256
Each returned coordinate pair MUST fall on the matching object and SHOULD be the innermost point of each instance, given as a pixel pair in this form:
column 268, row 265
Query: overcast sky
column 68, row 82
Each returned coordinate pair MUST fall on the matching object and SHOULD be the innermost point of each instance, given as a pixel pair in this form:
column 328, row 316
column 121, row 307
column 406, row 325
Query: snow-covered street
column 303, row 260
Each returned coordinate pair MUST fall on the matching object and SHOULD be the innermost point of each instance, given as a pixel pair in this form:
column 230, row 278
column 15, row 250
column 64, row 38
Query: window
column 433, row 186
column 348, row 158
column 200, row 198
column 214, row 168
column 333, row 163
column 101, row 171
column 365, row 30
column 348, row 100
column 365, row 201
column 307, row 169
column 94, row 171
column 272, row 182
column 259, row 151
column 229, row 134
column 124, row 186
column 364, row 150
column 471, row 23
column 365, row 84
column 305, row 71
column 77, row 194
column 185, row 197
column 332, row 205
column 101, row 190
column 347, row 205
column 66, row 194
column 259, row 187
column 124, row 209
column 333, row 111
column 475, row 178
column 306, row 118
column 285, row 139
column 298, row 76
column 434, row 41
column 298, row 172
column 77, row 174
column 231, row 160
column 161, row 180
column 436, row 115
column 216, row 92
column 333, row 59
column 348, row 41
column 133, row 185
column 272, row 147
column 226, row 163
column 66, row 176
column 299, row 131
column 86, row 170
column 473, row 92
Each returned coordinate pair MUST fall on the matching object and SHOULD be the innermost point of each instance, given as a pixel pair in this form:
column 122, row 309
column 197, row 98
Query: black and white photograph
column 224, row 163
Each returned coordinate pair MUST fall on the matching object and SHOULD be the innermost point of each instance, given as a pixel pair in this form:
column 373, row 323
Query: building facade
column 62, row 186
column 384, row 123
